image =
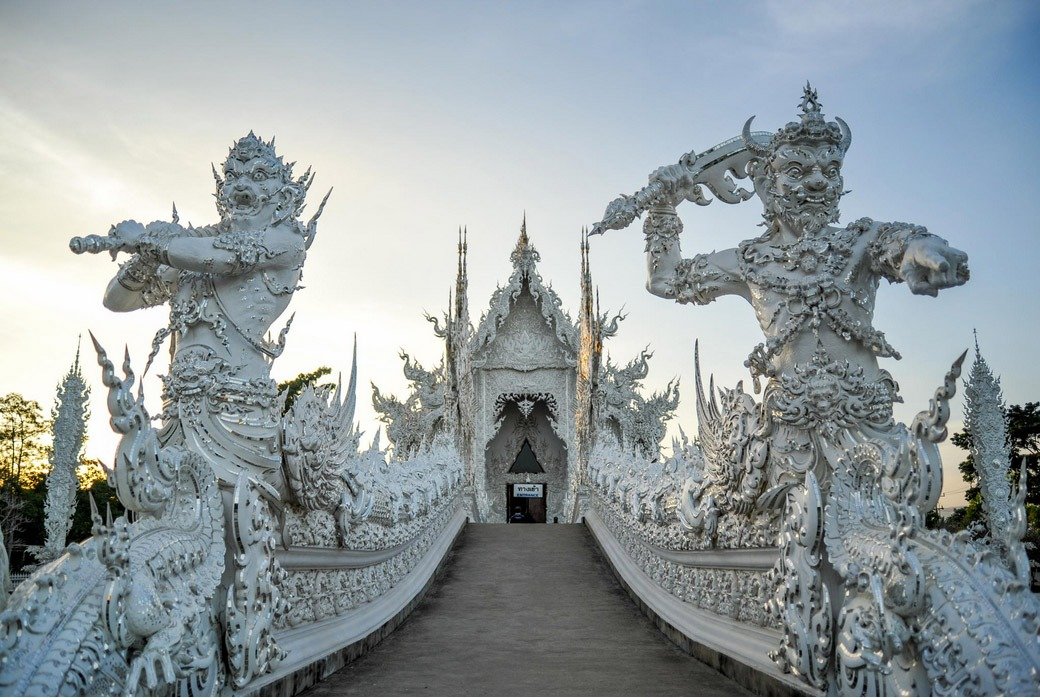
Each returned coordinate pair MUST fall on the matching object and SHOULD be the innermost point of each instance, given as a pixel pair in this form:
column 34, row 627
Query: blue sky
column 427, row 116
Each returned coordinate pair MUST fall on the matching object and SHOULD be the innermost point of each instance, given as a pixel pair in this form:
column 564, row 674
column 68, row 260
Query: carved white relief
column 525, row 341
column 70, row 415
column 525, row 276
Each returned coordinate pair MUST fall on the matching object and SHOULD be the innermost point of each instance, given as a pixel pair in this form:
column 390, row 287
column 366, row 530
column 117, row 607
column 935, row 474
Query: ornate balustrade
column 351, row 599
column 709, row 600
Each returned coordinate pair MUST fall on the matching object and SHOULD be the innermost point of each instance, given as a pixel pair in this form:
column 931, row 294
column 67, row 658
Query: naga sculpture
column 870, row 602
column 131, row 609
column 413, row 423
column 639, row 423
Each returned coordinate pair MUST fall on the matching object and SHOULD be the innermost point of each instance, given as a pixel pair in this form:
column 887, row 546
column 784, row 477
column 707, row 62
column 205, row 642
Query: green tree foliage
column 23, row 452
column 293, row 387
column 23, row 467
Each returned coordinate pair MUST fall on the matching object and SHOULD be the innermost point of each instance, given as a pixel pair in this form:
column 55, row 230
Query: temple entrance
column 525, row 502
column 526, row 451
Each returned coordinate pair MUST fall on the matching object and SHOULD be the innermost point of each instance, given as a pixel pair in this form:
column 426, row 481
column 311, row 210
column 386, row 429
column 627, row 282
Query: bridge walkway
column 526, row 610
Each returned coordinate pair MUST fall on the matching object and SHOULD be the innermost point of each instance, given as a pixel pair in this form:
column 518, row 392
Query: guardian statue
column 226, row 284
column 870, row 602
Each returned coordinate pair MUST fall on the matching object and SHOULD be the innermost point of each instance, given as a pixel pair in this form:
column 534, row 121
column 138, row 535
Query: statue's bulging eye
column 793, row 171
column 229, row 176
column 259, row 176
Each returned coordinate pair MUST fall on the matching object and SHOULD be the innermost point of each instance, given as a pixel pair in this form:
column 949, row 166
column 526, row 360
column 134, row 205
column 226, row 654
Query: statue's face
column 252, row 189
column 806, row 185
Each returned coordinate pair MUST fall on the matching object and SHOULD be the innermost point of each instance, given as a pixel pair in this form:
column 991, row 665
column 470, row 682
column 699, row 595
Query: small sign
column 521, row 490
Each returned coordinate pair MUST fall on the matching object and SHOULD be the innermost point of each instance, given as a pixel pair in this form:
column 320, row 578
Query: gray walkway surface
column 526, row 610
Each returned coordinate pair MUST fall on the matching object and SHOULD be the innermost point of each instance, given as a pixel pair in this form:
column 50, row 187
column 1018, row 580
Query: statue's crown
column 250, row 147
column 811, row 129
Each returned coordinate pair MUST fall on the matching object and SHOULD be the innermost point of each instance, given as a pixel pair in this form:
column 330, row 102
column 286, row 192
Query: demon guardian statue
column 187, row 593
column 869, row 601
column 226, row 284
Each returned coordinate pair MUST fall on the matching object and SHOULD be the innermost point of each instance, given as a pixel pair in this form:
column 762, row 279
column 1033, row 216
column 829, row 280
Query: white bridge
column 264, row 549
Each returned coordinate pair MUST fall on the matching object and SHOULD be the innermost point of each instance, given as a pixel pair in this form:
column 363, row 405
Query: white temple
column 516, row 391
column 786, row 547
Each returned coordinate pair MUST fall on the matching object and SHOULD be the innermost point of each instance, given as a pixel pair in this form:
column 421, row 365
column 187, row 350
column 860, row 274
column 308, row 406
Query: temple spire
column 524, row 254
column 523, row 240
column 460, row 253
column 462, row 280
column 985, row 419
column 70, row 419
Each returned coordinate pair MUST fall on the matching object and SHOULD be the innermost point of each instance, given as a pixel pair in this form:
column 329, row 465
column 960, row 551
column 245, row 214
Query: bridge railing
column 209, row 586
column 790, row 586
column 711, row 601
column 342, row 602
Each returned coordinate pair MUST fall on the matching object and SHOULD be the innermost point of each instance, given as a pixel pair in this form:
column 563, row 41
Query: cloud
column 58, row 165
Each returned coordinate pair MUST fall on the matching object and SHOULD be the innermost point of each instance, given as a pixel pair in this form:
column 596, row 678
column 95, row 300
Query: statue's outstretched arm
column 219, row 252
column 699, row 279
column 926, row 262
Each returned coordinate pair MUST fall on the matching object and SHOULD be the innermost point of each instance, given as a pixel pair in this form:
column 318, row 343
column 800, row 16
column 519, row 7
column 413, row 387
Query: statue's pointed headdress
column 812, row 129
column 251, row 147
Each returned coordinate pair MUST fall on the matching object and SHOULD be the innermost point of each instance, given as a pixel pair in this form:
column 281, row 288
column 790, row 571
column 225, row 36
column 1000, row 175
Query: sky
column 429, row 116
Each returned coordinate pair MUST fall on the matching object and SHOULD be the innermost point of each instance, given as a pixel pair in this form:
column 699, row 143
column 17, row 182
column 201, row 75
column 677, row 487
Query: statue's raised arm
column 704, row 277
column 258, row 201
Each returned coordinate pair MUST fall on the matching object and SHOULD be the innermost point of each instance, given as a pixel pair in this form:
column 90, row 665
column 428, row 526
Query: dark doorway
column 525, row 502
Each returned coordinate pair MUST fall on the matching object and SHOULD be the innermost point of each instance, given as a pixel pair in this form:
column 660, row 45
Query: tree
column 23, row 465
column 23, row 454
column 293, row 387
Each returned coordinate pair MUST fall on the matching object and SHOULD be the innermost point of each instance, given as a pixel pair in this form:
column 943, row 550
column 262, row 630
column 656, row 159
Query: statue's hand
column 673, row 177
column 127, row 233
column 930, row 264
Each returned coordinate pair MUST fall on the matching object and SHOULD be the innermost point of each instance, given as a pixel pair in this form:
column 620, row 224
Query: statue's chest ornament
column 250, row 251
column 810, row 280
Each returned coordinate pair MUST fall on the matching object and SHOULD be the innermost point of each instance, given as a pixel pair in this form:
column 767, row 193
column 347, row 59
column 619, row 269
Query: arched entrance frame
column 525, row 417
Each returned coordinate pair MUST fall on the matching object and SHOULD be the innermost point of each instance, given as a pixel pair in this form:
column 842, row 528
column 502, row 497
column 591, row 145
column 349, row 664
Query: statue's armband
column 700, row 280
column 145, row 278
column 888, row 248
column 249, row 250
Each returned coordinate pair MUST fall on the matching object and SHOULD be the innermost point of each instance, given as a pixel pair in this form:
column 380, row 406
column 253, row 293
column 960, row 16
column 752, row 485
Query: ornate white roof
column 525, row 276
